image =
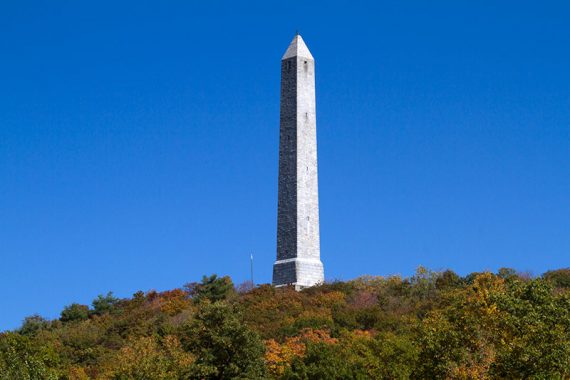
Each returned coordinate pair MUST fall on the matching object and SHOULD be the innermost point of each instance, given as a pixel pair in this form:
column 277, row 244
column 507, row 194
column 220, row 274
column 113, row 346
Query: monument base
column 300, row 272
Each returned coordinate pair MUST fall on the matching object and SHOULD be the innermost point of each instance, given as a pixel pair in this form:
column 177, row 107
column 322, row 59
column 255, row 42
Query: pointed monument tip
column 297, row 48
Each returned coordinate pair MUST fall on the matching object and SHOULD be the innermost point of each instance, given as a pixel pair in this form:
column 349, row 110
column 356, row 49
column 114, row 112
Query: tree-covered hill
column 430, row 326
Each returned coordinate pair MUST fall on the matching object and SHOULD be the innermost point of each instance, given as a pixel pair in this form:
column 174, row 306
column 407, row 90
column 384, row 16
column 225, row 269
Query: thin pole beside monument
column 251, row 269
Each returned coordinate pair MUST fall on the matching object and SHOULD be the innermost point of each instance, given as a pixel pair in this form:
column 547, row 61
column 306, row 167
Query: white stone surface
column 298, row 239
column 297, row 48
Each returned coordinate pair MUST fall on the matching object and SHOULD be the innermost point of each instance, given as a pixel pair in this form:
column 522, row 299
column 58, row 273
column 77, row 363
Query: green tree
column 448, row 279
column 386, row 356
column 560, row 278
column 212, row 287
column 356, row 355
column 507, row 273
column 33, row 324
column 21, row 359
column 74, row 312
column 224, row 347
column 104, row 304
column 536, row 325
column 457, row 340
column 324, row 361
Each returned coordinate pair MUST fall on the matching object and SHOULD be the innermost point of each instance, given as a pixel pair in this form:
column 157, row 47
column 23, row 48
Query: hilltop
column 433, row 325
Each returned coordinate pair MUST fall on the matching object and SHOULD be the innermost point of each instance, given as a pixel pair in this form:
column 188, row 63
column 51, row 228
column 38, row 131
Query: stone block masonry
column 298, row 240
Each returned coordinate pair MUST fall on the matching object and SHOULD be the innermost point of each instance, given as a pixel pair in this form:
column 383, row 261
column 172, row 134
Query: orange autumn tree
column 279, row 357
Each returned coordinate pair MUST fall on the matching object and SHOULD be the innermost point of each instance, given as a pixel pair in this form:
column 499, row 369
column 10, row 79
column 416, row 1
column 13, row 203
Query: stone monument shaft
column 298, row 242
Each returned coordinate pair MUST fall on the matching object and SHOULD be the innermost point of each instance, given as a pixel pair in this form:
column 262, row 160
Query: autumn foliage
column 433, row 325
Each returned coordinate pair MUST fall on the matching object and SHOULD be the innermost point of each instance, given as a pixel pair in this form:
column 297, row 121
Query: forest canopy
column 433, row 325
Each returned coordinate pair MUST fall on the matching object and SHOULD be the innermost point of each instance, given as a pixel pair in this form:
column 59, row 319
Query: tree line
column 432, row 325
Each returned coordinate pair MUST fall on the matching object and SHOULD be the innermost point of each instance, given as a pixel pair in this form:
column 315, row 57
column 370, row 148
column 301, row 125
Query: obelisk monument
column 298, row 242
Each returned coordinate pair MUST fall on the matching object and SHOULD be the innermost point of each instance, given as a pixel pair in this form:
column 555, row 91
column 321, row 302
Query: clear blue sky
column 139, row 140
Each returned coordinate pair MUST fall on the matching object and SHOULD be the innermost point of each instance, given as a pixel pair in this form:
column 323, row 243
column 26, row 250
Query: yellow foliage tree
column 147, row 358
